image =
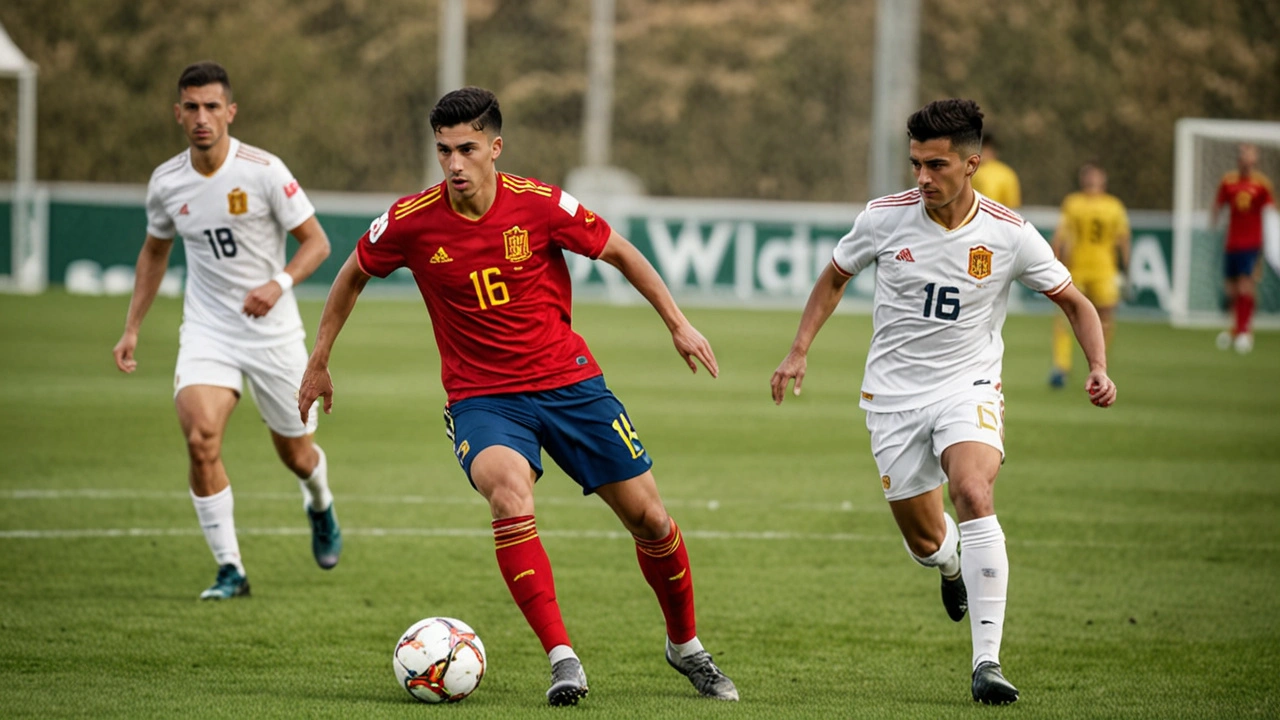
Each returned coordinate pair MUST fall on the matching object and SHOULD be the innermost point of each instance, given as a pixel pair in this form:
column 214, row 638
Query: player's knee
column 204, row 444
column 509, row 499
column 649, row 522
column 972, row 498
column 922, row 547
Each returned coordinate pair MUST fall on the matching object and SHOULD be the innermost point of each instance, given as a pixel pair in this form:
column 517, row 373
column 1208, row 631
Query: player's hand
column 1102, row 392
column 691, row 344
column 792, row 368
column 315, row 383
column 261, row 299
column 123, row 352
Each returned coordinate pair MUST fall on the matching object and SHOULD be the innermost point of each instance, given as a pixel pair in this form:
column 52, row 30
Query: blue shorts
column 583, row 427
column 1240, row 263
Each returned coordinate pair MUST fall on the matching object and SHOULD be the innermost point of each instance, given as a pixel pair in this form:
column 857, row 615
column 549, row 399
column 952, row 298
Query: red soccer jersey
column 1245, row 196
column 497, row 288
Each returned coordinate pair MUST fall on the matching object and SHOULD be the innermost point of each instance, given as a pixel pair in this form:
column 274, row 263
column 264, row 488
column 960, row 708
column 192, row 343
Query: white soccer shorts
column 908, row 445
column 274, row 374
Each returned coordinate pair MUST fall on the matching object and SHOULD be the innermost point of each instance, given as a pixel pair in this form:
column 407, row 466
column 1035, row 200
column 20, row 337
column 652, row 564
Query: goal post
column 1204, row 150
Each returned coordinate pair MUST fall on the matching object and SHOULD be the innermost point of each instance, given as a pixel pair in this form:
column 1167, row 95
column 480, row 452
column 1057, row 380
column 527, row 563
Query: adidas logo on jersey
column 441, row 256
column 904, row 255
column 184, row 210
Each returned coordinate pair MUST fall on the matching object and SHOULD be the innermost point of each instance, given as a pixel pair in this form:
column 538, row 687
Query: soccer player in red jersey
column 487, row 251
column 1245, row 191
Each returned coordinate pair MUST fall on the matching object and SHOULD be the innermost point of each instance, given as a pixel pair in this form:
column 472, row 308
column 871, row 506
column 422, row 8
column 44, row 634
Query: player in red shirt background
column 1245, row 192
column 487, row 252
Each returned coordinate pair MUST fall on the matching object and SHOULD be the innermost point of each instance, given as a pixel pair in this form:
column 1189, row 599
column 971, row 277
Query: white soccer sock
column 560, row 652
column 217, row 519
column 947, row 558
column 315, row 489
column 985, row 566
column 685, row 649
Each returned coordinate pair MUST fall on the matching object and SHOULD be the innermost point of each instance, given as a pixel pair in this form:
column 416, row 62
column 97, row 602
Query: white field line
column 344, row 498
column 486, row 533
column 65, row 534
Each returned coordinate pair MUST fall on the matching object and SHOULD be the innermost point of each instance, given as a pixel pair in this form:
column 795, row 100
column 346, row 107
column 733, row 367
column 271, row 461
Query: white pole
column 597, row 125
column 452, row 61
column 30, row 270
column 894, row 92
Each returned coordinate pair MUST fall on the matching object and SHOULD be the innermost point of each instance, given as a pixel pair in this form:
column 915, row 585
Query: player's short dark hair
column 204, row 73
column 960, row 121
column 472, row 105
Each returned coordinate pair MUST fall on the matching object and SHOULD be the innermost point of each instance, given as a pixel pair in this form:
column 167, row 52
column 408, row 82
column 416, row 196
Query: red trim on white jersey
column 252, row 154
column 910, row 197
column 1058, row 290
column 1000, row 212
column 839, row 269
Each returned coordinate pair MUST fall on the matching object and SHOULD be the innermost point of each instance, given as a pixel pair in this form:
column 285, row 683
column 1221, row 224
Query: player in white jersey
column 232, row 204
column 945, row 259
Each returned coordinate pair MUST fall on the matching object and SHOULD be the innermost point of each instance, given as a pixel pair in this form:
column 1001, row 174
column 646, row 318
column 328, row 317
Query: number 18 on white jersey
column 233, row 225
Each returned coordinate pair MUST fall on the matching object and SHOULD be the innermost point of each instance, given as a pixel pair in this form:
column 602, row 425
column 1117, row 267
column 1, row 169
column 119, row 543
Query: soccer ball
column 439, row 659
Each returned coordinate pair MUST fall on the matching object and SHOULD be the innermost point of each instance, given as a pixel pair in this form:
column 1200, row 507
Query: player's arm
column 1088, row 329
column 153, row 261
column 313, row 248
column 343, row 294
column 823, row 300
column 620, row 253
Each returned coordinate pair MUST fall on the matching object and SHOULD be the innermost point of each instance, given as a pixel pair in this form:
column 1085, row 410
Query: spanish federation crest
column 979, row 262
column 237, row 202
column 516, row 241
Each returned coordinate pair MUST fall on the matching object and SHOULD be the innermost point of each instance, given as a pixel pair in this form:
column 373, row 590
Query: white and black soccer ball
column 439, row 659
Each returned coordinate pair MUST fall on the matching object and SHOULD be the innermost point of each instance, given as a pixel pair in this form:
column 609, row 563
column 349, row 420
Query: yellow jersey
column 1094, row 225
column 998, row 182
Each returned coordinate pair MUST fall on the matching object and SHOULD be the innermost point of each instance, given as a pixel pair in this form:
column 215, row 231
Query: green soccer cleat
column 326, row 537
column 703, row 673
column 568, row 683
column 229, row 584
column 955, row 598
column 990, row 687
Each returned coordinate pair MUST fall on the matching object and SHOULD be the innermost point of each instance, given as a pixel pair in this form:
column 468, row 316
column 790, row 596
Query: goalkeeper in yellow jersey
column 1092, row 240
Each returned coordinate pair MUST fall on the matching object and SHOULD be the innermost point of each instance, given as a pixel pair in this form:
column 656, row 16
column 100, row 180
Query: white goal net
column 1204, row 151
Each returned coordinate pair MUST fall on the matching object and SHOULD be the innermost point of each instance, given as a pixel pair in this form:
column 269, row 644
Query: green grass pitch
column 1142, row 539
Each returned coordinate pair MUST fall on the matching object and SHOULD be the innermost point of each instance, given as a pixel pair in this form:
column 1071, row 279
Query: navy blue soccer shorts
column 1240, row 263
column 583, row 427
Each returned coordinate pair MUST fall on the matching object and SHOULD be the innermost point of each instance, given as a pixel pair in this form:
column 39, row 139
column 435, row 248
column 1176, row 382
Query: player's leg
column 971, row 468
column 933, row 540
column 912, row 481
column 1062, row 353
column 969, row 442
column 274, row 374
column 1231, row 291
column 664, row 562
column 591, row 437
column 1246, row 291
column 496, row 444
column 203, row 411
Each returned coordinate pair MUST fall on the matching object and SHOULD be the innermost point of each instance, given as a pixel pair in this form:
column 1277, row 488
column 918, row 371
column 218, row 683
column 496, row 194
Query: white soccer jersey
column 233, row 225
column 941, row 295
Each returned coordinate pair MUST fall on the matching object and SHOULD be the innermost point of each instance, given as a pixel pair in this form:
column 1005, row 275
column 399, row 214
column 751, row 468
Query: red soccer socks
column 527, row 572
column 665, row 565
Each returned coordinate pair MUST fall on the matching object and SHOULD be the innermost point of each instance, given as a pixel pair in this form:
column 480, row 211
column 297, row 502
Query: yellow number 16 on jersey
column 486, row 286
